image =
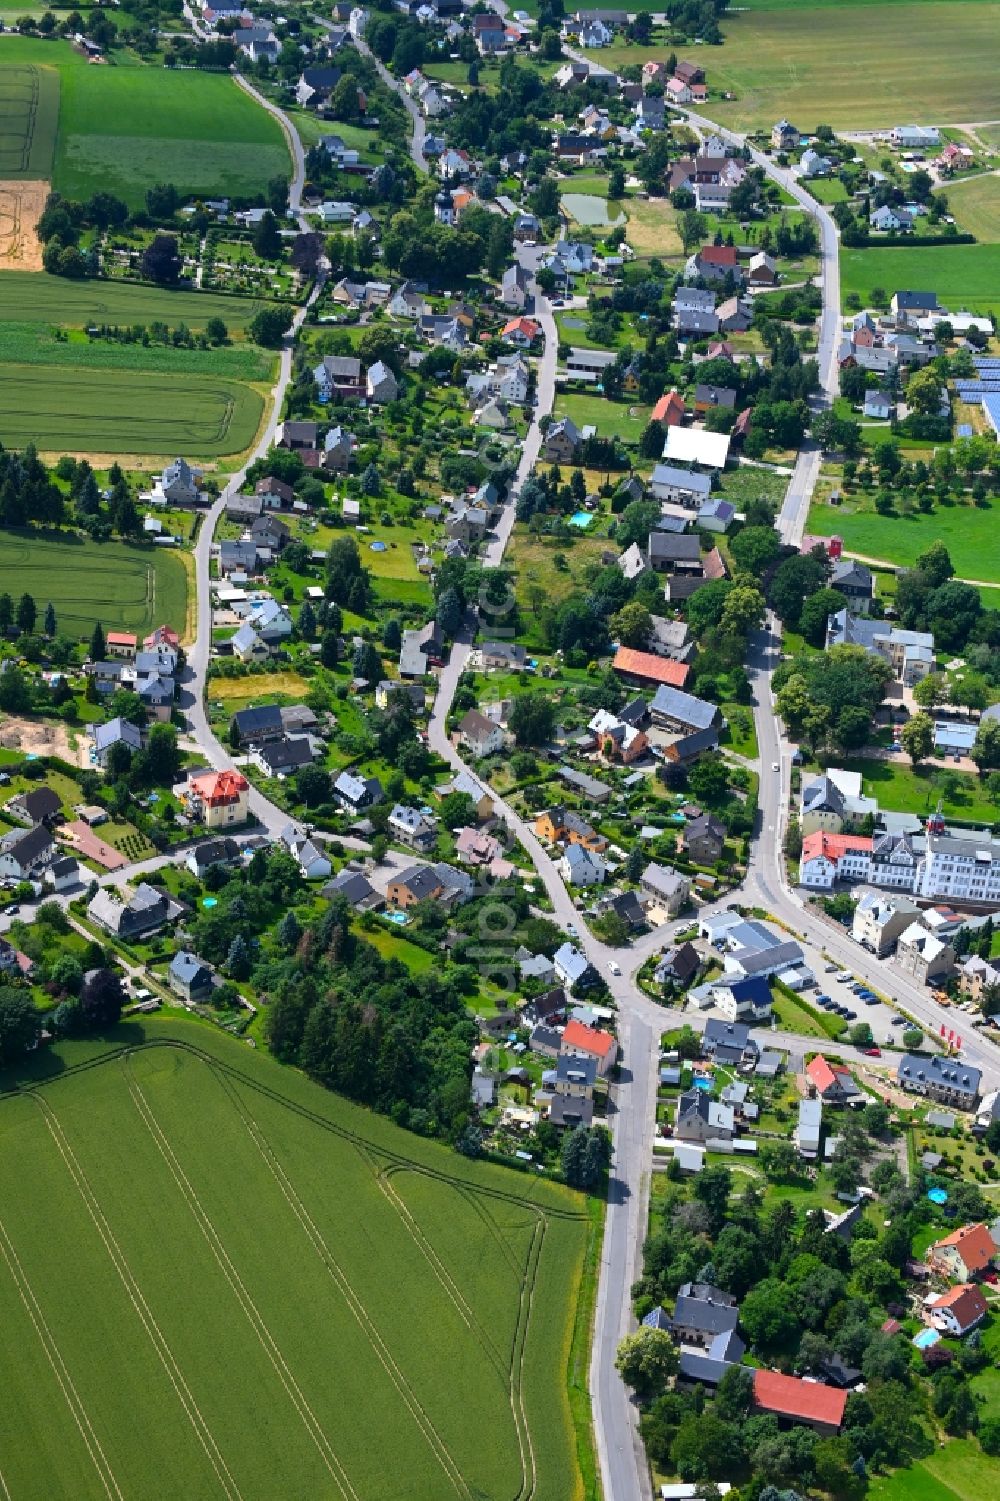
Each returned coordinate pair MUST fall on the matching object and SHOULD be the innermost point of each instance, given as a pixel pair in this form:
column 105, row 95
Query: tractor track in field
column 59, row 1367
column 316, row 1238
column 145, row 1314
column 226, row 1265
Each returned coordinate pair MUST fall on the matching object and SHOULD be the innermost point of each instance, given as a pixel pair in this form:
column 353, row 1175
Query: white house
column 580, row 867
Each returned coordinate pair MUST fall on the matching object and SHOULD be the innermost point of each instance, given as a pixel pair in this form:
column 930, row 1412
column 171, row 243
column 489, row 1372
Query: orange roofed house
column 963, row 1254
column 827, row 858
column 669, row 410
column 580, row 1041
column 832, row 1081
column 646, row 667
column 796, row 1401
column 120, row 644
column 219, row 798
column 959, row 1310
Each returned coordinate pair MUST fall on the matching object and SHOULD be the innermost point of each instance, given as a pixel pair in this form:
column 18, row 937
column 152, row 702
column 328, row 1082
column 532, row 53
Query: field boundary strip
column 146, row 1317
column 59, row 1367
column 118, row 1050
column 317, row 1240
column 229, row 1270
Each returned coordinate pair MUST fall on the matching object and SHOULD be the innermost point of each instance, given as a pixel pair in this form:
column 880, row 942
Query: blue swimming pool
column 938, row 1195
column 210, row 901
column 700, row 1083
column 399, row 918
column 582, row 519
column 926, row 1338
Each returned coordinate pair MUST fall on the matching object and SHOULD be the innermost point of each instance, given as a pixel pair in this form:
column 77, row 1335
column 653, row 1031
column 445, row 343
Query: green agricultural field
column 34, row 297
column 968, row 532
column 975, row 203
column 958, row 1471
column 28, row 344
column 963, row 276
column 285, row 1295
column 125, row 588
column 829, row 63
column 122, row 412
column 29, row 113
column 122, row 129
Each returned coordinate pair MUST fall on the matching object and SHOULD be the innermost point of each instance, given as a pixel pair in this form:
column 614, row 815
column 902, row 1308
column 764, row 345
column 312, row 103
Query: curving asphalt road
column 419, row 135
column 624, row 1470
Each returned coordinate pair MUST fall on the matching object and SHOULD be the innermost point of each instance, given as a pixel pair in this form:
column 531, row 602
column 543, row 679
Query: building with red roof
column 963, row 1254
column 520, row 332
column 959, row 1310
column 120, row 643
column 219, row 798
column 646, row 667
column 827, row 858
column 669, row 409
column 832, row 1081
column 719, row 255
column 581, row 1041
column 797, row 1401
column 164, row 635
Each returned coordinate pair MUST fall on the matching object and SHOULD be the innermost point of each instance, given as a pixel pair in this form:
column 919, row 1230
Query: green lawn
column 907, row 790
column 393, row 945
column 975, row 203
column 963, row 276
column 968, row 532
column 125, row 588
column 829, row 63
column 829, row 190
column 34, row 297
column 611, row 418
column 958, row 1472
column 353, row 1277
column 123, row 128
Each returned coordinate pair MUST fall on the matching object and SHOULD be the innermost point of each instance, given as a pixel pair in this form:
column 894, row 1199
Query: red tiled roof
column 669, row 408
column 718, row 255
column 824, row 1074
column 120, row 638
column 966, row 1303
column 713, row 566
column 217, row 787
column 588, row 1039
column 789, row 1397
column 645, row 665
column 974, row 1244
column 526, row 326
column 832, row 846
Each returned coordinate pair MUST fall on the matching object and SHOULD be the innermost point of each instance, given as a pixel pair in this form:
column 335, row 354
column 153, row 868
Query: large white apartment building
column 962, row 867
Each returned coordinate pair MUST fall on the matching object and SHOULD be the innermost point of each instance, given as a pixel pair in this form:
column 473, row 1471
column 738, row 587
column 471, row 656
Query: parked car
column 872, row 1052
column 821, row 1000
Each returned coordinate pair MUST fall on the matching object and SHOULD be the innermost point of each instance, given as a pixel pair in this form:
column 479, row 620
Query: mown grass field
column 124, row 128
column 850, row 65
column 959, row 1471
column 963, row 276
column 284, row 1295
column 624, row 418
column 29, row 114
column 975, row 203
column 35, row 297
column 123, row 412
column 969, row 533
column 906, row 789
column 125, row 588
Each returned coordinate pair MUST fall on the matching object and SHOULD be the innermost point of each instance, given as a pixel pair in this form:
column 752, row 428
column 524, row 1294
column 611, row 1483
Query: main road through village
column 640, row 1021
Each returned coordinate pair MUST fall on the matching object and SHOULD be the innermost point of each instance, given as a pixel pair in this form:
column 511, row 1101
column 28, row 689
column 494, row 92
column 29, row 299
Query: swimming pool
column 582, row 519
column 926, row 1338
column 210, row 901
column 938, row 1195
column 399, row 918
column 700, row 1083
